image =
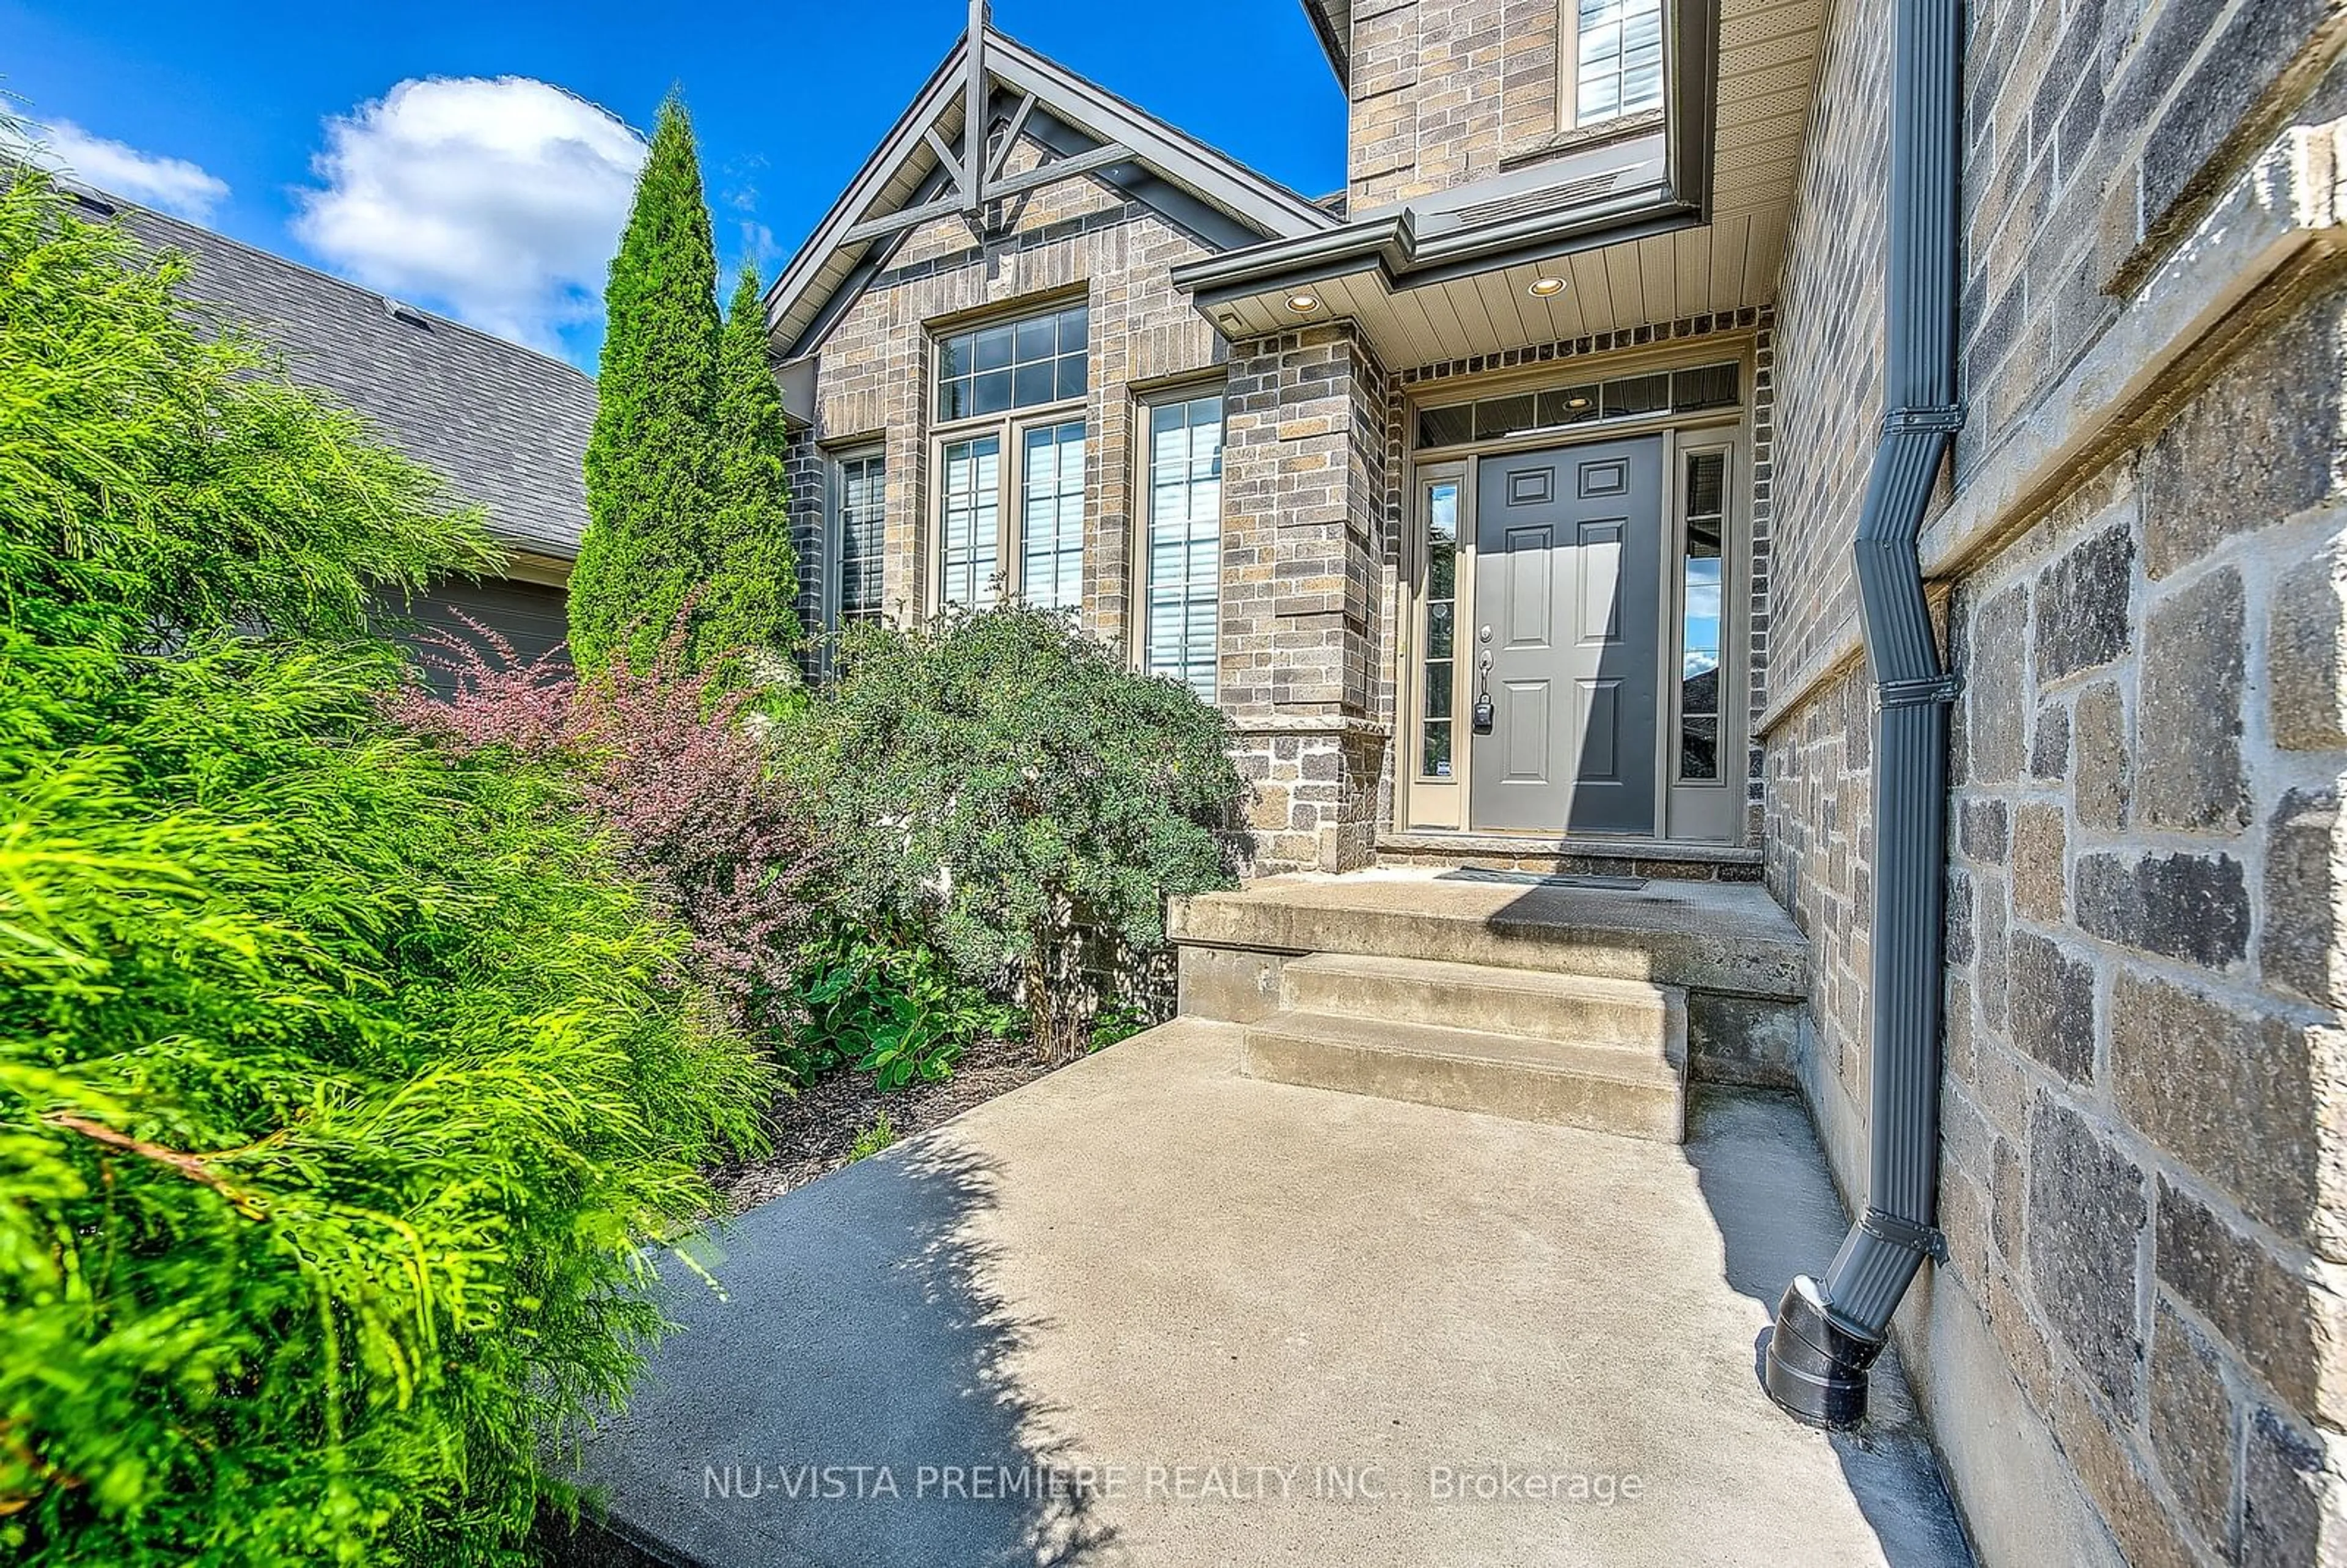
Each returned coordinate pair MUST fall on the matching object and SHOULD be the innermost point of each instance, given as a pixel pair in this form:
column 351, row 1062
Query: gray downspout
column 1827, row 1335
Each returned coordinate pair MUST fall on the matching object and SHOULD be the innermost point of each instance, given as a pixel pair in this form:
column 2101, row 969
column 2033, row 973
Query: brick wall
column 1304, row 470
column 2138, row 1328
column 1077, row 239
column 1446, row 92
column 1830, row 344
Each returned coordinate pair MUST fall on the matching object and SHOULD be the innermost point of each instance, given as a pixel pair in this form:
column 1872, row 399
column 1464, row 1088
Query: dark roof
column 505, row 425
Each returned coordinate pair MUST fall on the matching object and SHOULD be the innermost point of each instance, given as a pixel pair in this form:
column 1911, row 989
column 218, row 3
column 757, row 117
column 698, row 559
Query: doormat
column 1541, row 878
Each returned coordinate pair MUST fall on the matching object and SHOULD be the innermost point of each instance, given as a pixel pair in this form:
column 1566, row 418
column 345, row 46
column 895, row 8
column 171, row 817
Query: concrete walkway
column 1148, row 1311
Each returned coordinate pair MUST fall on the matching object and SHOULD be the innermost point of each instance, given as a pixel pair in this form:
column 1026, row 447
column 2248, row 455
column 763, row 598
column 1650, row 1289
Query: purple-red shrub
column 664, row 761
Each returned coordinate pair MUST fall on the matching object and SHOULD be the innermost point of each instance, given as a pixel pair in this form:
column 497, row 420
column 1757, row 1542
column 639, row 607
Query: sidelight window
column 1439, row 635
column 1700, row 642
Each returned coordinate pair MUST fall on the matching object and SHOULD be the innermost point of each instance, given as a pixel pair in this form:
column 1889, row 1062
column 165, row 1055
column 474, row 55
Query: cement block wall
column 2135, row 1349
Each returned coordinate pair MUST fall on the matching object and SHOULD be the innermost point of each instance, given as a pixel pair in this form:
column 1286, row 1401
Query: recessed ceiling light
column 1547, row 288
column 1303, row 304
column 1576, row 403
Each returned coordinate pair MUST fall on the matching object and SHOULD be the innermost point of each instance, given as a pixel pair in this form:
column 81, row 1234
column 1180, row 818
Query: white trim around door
column 1702, row 632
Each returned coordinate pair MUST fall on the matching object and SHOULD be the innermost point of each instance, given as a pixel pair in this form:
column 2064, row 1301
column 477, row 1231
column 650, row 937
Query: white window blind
column 1052, row 516
column 863, row 503
column 1618, row 60
column 1185, row 536
column 972, row 519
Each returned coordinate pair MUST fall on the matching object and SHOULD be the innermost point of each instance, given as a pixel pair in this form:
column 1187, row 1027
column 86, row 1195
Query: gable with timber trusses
column 1046, row 128
column 1076, row 206
column 870, row 386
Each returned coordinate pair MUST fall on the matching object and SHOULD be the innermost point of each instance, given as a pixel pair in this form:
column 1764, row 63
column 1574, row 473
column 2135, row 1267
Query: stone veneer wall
column 2134, row 1348
column 1304, row 481
column 2140, row 1186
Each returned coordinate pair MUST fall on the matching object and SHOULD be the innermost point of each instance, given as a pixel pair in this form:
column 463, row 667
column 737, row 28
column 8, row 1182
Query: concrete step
column 1566, row 1008
column 1727, row 939
column 1608, row 1089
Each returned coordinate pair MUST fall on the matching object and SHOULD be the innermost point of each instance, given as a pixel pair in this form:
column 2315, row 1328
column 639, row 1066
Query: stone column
column 1303, row 489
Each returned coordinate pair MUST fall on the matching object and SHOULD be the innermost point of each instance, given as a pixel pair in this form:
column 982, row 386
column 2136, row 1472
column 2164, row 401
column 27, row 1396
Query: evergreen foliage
column 748, row 604
column 1004, row 785
column 650, row 464
column 341, row 1075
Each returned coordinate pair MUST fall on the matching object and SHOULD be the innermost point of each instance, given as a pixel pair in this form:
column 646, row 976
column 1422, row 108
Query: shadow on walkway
column 848, row 1399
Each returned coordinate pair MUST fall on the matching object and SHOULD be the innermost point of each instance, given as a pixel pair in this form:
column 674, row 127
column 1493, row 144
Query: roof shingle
column 504, row 425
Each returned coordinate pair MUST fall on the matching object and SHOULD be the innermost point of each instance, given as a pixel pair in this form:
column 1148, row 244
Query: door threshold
column 1445, row 841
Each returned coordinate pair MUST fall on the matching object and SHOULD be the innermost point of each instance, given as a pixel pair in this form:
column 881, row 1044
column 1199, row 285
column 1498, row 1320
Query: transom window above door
column 1009, row 460
column 1005, row 366
column 1696, row 390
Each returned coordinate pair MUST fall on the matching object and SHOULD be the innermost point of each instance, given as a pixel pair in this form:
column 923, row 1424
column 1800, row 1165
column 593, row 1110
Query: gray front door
column 1568, row 590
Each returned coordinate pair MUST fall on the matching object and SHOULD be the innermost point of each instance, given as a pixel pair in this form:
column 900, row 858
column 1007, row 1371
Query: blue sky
column 421, row 149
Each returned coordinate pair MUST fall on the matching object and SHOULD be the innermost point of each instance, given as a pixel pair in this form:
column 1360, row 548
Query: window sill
column 1580, row 138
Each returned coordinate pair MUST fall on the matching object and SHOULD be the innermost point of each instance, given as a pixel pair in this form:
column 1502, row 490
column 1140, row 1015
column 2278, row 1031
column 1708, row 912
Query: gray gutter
column 1827, row 1334
column 1391, row 244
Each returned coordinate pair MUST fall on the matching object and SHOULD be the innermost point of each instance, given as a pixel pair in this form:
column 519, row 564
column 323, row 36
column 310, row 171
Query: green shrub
column 880, row 1135
column 886, row 1003
column 341, row 1079
column 1002, row 784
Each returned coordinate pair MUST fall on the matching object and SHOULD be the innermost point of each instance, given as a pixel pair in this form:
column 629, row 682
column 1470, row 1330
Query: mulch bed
column 814, row 1131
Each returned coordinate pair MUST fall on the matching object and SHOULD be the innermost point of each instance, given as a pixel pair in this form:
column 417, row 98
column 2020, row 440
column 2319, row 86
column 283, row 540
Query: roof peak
column 920, row 172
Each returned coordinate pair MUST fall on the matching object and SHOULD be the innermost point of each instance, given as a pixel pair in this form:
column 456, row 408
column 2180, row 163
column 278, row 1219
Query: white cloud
column 498, row 201
column 173, row 184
